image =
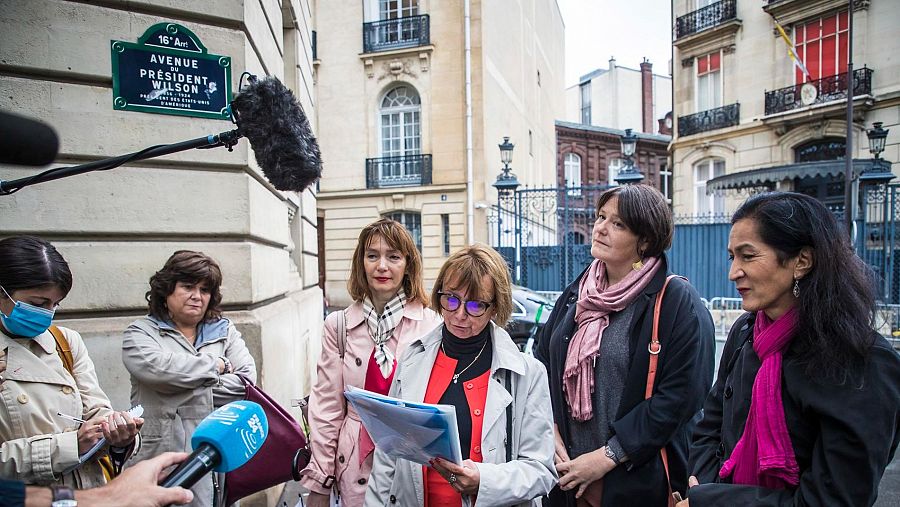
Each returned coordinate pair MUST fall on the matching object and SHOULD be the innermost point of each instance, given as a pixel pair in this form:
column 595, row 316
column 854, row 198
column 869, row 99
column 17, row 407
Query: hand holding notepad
column 416, row 432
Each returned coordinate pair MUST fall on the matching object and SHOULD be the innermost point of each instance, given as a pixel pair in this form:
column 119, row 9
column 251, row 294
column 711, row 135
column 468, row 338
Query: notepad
column 135, row 411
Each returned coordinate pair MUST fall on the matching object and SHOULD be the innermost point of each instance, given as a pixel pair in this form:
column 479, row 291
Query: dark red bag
column 283, row 455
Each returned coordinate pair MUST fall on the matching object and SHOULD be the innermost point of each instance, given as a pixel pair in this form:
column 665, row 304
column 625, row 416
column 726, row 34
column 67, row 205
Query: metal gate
column 545, row 233
column 877, row 238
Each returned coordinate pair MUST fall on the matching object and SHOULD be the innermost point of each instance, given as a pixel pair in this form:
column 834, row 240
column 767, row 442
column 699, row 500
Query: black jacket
column 684, row 375
column 843, row 435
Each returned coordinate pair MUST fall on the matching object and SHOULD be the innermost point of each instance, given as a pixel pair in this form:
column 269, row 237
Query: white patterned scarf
column 381, row 327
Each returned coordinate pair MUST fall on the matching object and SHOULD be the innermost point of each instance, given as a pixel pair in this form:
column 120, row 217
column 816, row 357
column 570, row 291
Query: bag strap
column 62, row 348
column 509, row 421
column 654, row 348
column 342, row 333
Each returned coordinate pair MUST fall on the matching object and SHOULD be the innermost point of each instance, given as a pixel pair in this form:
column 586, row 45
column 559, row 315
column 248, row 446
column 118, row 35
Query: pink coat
column 334, row 434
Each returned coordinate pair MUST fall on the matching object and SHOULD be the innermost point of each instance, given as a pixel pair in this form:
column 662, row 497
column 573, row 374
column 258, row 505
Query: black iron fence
column 397, row 33
column 820, row 91
column 401, row 171
column 706, row 17
column 711, row 119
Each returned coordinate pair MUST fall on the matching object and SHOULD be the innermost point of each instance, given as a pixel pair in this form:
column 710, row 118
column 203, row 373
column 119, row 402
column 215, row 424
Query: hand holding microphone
column 224, row 441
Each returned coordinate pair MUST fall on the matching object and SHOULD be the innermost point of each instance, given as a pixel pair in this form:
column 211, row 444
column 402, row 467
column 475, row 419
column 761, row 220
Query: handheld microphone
column 24, row 141
column 268, row 115
column 223, row 441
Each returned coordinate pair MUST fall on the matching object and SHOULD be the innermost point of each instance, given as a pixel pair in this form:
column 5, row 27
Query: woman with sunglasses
column 501, row 398
column 390, row 309
column 45, row 390
column 611, row 436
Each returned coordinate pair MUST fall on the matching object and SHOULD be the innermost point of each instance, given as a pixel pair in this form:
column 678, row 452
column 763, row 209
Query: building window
column 400, row 132
column 445, row 233
column 821, row 149
column 394, row 9
column 665, row 181
column 413, row 223
column 612, row 171
column 703, row 171
column 572, row 172
column 530, row 143
column 822, row 46
column 709, row 81
column 586, row 103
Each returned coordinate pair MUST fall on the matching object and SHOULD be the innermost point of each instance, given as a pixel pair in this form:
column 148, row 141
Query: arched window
column 572, row 172
column 821, row 149
column 401, row 141
column 703, row 171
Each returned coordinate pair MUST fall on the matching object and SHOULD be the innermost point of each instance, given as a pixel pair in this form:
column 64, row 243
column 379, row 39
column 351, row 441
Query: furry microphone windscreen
column 268, row 115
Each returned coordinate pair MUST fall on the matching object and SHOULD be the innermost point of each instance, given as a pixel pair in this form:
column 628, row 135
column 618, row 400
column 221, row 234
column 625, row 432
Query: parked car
column 530, row 312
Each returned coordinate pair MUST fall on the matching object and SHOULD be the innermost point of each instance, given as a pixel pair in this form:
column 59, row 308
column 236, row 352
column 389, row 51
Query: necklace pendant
column 456, row 378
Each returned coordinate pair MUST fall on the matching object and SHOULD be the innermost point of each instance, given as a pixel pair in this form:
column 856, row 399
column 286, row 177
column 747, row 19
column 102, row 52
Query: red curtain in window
column 708, row 63
column 822, row 45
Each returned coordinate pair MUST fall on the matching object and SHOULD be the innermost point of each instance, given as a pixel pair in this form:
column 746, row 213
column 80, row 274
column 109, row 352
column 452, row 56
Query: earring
column 637, row 265
column 796, row 290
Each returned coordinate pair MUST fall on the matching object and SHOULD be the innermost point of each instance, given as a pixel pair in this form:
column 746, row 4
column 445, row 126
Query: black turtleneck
column 465, row 351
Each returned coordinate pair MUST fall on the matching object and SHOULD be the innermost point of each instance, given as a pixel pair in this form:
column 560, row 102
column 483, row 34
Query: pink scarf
column 596, row 300
column 764, row 455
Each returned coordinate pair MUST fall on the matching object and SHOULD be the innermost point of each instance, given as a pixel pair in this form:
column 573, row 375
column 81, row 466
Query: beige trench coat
column 38, row 445
column 179, row 385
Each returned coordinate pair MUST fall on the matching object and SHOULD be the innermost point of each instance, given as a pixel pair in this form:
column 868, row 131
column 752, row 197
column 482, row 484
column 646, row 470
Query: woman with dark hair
column 616, row 443
column 185, row 359
column 500, row 397
column 389, row 310
column 806, row 406
column 48, row 371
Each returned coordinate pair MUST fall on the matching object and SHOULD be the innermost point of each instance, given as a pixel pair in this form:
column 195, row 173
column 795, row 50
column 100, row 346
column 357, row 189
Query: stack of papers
column 412, row 431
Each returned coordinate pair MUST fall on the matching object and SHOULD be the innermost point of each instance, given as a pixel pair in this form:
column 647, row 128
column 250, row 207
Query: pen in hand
column 71, row 418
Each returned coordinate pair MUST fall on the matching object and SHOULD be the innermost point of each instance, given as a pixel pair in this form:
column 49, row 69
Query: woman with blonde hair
column 500, row 395
column 359, row 346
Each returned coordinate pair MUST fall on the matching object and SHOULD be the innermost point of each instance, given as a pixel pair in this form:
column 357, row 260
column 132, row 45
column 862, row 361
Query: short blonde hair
column 399, row 239
column 467, row 267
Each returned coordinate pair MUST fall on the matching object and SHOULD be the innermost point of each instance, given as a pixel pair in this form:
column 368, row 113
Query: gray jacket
column 520, row 482
column 178, row 384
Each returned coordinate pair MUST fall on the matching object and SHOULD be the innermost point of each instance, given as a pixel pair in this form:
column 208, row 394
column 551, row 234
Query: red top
column 438, row 491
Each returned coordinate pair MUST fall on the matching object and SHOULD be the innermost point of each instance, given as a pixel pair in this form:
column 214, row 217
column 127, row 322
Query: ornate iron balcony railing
column 827, row 89
column 402, row 171
column 397, row 33
column 707, row 17
column 711, row 119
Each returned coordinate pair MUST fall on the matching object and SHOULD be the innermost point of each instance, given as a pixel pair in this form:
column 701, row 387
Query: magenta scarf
column 595, row 302
column 764, row 455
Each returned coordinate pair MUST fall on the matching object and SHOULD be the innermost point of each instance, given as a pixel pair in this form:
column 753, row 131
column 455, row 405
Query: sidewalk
column 889, row 489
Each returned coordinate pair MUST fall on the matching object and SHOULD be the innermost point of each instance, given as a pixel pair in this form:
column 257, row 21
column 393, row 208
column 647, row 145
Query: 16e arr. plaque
column 169, row 71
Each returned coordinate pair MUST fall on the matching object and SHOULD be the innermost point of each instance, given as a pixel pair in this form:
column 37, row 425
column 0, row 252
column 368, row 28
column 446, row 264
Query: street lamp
column 506, row 181
column 630, row 174
column 880, row 172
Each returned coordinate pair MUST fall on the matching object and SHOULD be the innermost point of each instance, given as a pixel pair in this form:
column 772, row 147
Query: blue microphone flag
column 236, row 430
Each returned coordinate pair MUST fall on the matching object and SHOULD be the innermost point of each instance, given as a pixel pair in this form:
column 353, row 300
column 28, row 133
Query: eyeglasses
column 474, row 307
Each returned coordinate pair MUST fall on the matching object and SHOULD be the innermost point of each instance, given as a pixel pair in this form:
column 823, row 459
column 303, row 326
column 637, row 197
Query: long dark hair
column 28, row 262
column 836, row 306
column 188, row 267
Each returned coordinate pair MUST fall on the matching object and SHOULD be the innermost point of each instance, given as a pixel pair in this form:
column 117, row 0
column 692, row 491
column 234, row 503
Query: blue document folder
column 413, row 431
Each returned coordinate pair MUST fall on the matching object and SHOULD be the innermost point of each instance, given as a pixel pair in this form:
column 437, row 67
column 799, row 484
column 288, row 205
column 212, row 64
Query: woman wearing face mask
column 389, row 311
column 40, row 447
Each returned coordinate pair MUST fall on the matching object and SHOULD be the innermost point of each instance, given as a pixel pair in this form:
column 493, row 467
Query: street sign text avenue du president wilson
column 169, row 71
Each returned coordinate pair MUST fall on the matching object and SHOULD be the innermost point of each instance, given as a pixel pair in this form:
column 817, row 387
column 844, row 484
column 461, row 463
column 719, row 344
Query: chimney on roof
column 612, row 63
column 647, row 96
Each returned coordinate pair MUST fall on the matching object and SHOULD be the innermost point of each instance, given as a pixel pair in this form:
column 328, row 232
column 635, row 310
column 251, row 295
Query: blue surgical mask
column 25, row 319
